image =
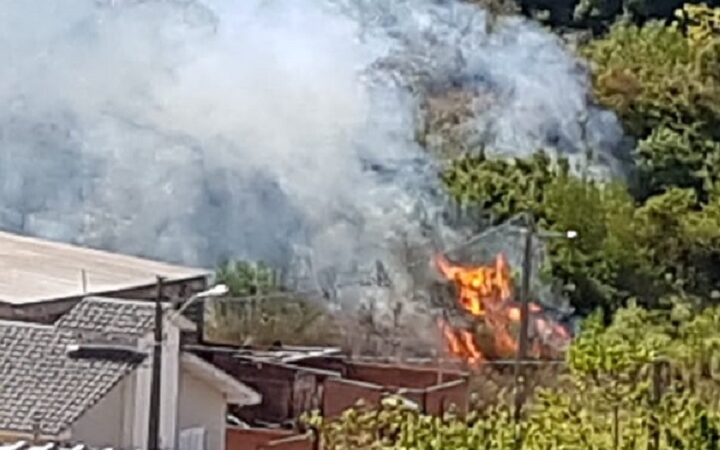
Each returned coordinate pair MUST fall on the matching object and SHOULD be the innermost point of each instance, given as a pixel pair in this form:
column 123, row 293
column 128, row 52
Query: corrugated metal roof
column 35, row 270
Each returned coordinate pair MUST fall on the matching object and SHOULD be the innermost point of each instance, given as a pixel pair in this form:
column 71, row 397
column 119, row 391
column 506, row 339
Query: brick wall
column 340, row 394
column 397, row 376
column 261, row 439
column 384, row 374
column 432, row 391
column 439, row 399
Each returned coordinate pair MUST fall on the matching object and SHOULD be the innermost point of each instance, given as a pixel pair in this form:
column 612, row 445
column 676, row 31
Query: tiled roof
column 110, row 317
column 41, row 386
column 24, row 445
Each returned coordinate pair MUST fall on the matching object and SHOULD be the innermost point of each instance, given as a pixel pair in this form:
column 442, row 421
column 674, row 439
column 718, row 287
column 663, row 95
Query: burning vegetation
column 485, row 294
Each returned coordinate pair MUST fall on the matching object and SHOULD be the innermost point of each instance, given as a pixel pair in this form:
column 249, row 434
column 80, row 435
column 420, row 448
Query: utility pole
column 154, row 416
column 524, row 316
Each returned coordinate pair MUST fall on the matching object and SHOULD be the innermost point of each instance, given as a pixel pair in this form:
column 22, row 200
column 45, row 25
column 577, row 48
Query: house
column 43, row 279
column 86, row 378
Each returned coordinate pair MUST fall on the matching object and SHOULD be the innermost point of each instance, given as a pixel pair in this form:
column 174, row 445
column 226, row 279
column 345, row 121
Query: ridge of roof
column 106, row 316
column 23, row 323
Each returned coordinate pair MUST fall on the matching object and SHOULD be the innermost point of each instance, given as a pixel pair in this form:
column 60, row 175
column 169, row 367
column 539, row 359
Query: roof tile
column 40, row 382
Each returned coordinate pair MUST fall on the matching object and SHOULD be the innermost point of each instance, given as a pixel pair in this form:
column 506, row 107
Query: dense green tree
column 599, row 15
column 661, row 238
column 244, row 278
column 603, row 266
column 664, row 82
column 647, row 251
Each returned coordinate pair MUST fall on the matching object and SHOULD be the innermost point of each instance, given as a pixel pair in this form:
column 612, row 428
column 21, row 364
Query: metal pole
column 154, row 416
column 524, row 317
column 83, row 276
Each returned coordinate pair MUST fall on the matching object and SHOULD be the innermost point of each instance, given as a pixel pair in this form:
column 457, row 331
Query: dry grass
column 263, row 322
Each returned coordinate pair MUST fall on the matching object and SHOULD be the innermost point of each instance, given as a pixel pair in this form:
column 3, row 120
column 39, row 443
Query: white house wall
column 120, row 420
column 104, row 425
column 168, row 392
column 202, row 405
column 141, row 406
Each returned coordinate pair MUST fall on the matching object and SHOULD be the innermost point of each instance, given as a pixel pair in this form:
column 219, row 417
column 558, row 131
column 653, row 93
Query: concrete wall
column 141, row 407
column 109, row 423
column 170, row 387
column 439, row 399
column 120, row 419
column 202, row 405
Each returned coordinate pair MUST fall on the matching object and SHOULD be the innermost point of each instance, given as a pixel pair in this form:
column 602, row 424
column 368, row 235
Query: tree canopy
column 658, row 236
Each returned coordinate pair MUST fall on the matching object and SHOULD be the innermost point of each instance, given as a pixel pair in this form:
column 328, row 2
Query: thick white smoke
column 196, row 130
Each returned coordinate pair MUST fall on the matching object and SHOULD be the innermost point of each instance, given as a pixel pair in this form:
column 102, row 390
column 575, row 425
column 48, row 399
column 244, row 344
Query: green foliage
column 244, row 278
column 397, row 426
column 596, row 266
column 670, row 244
column 502, row 187
column 670, row 157
column 615, row 398
column 599, row 15
column 664, row 81
column 660, row 238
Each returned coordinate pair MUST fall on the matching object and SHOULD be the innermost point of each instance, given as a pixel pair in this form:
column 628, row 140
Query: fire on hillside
column 485, row 293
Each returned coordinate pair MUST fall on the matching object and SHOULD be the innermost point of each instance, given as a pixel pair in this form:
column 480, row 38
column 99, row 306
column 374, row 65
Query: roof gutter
column 105, row 293
column 6, row 435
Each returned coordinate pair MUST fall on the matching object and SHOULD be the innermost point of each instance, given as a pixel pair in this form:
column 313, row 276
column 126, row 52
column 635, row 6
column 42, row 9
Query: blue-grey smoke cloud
column 196, row 130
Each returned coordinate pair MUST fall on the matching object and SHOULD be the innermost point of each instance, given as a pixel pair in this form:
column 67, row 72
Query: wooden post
column 83, row 276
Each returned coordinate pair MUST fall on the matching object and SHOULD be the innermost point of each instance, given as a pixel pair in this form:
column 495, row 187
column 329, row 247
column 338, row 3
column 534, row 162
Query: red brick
column 340, row 394
column 438, row 399
column 261, row 439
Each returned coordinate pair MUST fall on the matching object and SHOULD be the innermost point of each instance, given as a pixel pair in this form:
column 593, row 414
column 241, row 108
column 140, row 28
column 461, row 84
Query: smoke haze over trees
column 203, row 130
column 321, row 137
column 207, row 130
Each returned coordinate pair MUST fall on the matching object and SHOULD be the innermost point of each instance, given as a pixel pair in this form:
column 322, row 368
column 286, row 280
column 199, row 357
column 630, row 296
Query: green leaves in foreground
column 611, row 398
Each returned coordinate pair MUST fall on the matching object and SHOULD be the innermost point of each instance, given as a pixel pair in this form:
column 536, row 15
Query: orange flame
column 461, row 343
column 478, row 284
column 485, row 292
column 474, row 354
